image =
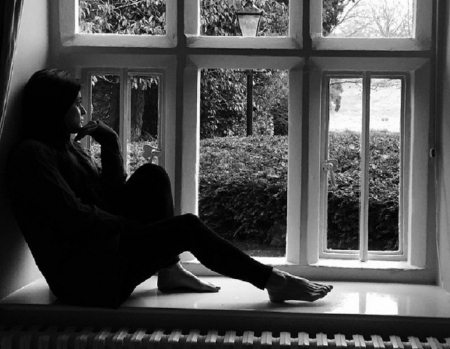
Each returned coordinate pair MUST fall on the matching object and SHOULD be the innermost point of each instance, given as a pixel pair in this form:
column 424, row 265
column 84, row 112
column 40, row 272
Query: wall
column 443, row 162
column 16, row 263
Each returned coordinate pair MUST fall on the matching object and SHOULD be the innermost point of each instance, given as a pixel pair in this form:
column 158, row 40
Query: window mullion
column 125, row 111
column 364, row 181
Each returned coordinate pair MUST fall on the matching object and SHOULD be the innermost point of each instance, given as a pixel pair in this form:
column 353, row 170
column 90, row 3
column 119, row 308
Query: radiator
column 73, row 338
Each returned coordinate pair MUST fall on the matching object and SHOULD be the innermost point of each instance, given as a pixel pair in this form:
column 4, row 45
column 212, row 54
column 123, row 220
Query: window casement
column 126, row 81
column 376, row 144
column 161, row 68
column 310, row 66
column 414, row 159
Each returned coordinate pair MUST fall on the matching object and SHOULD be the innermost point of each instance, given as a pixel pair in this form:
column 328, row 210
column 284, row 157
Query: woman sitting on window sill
column 95, row 235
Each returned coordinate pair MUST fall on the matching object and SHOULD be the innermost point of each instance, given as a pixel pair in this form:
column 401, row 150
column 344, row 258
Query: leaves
column 218, row 18
column 384, row 180
column 243, row 188
column 143, row 17
column 224, row 102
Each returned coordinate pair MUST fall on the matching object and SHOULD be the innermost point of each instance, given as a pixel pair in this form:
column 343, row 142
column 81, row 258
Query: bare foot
column 176, row 277
column 283, row 286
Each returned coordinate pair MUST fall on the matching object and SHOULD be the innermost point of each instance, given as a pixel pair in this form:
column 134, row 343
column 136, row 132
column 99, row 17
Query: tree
column 374, row 19
column 223, row 92
column 332, row 14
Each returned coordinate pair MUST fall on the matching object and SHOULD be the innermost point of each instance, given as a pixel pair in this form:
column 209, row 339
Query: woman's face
column 74, row 116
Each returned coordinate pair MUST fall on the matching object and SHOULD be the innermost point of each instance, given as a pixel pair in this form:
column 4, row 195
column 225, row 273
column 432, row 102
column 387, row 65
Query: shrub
column 343, row 201
column 243, row 185
column 243, row 188
column 135, row 152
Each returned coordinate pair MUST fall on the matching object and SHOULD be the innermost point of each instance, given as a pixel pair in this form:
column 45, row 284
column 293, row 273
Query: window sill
column 339, row 270
column 281, row 262
column 352, row 307
column 374, row 264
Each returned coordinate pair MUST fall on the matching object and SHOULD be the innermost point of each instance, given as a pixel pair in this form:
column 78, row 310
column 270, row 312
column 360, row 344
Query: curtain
column 10, row 13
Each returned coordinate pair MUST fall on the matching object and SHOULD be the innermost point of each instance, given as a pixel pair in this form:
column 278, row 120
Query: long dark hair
column 47, row 97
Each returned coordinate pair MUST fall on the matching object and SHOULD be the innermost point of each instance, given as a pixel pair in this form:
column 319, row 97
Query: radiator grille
column 73, row 338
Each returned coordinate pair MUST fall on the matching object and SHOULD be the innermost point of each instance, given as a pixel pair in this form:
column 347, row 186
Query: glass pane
column 105, row 105
column 144, row 122
column 344, row 137
column 368, row 18
column 218, row 17
column 145, row 17
column 243, row 157
column 384, row 164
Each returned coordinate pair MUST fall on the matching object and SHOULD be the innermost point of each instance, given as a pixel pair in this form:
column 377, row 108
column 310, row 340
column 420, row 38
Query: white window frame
column 71, row 36
column 191, row 114
column 420, row 42
column 182, row 60
column 363, row 254
column 416, row 159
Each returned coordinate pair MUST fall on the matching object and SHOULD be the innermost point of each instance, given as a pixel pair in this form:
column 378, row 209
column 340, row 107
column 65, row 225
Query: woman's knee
column 152, row 170
column 150, row 174
column 195, row 224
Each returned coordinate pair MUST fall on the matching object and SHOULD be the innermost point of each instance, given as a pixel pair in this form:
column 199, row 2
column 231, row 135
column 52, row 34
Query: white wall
column 16, row 263
column 443, row 164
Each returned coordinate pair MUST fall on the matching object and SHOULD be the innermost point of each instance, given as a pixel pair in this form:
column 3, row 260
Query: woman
column 95, row 235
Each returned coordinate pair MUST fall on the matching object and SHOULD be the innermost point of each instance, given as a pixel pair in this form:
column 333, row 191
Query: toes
column 208, row 287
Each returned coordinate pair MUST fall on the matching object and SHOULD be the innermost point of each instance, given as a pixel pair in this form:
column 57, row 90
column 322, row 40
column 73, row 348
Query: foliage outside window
column 218, row 17
column 131, row 17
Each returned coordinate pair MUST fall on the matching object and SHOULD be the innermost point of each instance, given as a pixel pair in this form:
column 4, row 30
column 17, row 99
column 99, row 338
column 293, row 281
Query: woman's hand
column 87, row 129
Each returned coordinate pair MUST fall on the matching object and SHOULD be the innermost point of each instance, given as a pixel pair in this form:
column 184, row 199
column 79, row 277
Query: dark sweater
column 65, row 206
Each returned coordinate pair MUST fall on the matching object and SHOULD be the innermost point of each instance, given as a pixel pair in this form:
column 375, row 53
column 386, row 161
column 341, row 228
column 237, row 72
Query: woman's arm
column 42, row 197
column 113, row 173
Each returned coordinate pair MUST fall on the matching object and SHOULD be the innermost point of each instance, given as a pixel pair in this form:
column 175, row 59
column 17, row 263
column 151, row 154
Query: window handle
column 151, row 152
column 330, row 166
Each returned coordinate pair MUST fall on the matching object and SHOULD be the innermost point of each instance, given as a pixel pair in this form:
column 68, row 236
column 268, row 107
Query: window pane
column 384, row 164
column 144, row 121
column 344, row 138
column 243, row 176
column 145, row 17
column 368, row 18
column 105, row 104
column 218, row 17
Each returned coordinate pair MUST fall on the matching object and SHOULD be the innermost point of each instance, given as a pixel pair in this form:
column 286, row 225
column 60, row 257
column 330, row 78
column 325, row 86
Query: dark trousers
column 147, row 197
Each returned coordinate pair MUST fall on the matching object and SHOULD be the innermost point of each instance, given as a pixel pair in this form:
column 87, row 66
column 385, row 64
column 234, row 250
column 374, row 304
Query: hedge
column 243, row 191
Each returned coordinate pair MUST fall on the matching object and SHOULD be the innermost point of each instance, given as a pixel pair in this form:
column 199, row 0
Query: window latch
column 151, row 153
column 330, row 166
